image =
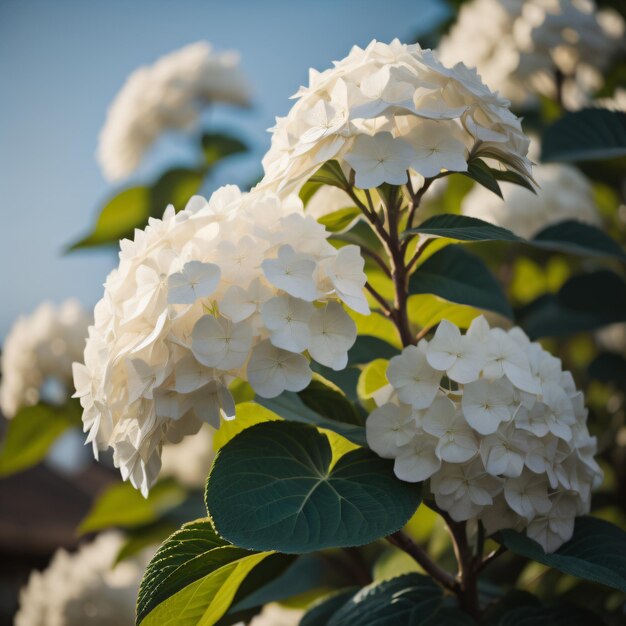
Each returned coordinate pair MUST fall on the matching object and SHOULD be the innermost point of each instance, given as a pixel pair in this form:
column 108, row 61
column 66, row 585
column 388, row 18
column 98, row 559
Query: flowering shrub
column 496, row 425
column 224, row 289
column 83, row 588
column 536, row 45
column 389, row 109
column 166, row 95
column 40, row 348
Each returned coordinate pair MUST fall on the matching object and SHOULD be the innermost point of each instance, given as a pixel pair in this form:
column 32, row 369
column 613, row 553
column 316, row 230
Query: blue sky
column 62, row 62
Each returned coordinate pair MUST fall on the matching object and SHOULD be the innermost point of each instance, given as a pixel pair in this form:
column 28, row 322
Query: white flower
column 456, row 441
column 379, row 159
column 459, row 356
column 272, row 370
column 345, row 272
column 562, row 193
column 38, row 353
column 507, row 446
column 389, row 429
column 332, row 334
column 169, row 94
column 388, row 113
column 214, row 293
column 83, row 588
column 518, row 46
column 487, row 403
column 415, row 381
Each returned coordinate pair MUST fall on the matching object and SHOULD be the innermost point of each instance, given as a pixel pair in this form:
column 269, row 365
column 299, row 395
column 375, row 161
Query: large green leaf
column 462, row 228
column 121, row 505
column 321, row 612
column 193, row 578
column 125, row 211
column 367, row 348
column 291, row 408
column 330, row 174
column 340, row 220
column 596, row 552
column 272, row 488
column 410, row 599
column 586, row 135
column 569, row 236
column 456, row 275
column 578, row 238
column 31, row 433
column 218, row 146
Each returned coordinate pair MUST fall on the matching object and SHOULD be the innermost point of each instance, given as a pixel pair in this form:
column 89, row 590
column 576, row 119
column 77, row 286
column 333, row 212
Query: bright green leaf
column 272, row 488
column 459, row 276
column 248, row 414
column 596, row 552
column 330, row 174
column 340, row 220
column 176, row 186
column 426, row 311
column 31, row 433
column 193, row 578
column 121, row 505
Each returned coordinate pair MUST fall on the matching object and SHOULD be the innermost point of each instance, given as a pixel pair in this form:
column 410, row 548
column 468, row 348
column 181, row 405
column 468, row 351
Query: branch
column 492, row 556
column 405, row 543
column 383, row 303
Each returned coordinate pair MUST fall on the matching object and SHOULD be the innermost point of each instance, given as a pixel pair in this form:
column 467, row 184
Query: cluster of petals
column 389, row 110
column 563, row 193
column 495, row 425
column 239, row 287
column 168, row 95
column 519, row 45
column 83, row 588
column 38, row 354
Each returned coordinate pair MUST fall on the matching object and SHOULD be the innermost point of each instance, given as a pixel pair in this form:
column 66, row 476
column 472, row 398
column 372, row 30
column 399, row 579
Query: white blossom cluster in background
column 168, row 95
column 38, row 353
column 496, row 426
column 563, row 194
column 237, row 287
column 389, row 109
column 83, row 588
column 517, row 45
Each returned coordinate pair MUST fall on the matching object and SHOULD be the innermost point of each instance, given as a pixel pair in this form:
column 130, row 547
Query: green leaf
column 587, row 135
column 321, row 612
column 121, row 505
column 367, row 348
column 31, row 433
column 609, row 367
column 218, row 146
column 578, row 238
column 462, row 228
column 176, row 186
column 484, row 175
column 409, row 599
column 272, row 488
column 508, row 176
column 340, row 220
column 193, row 578
column 329, row 401
column 454, row 274
column 330, row 174
column 555, row 615
column 122, row 213
column 291, row 408
column 596, row 552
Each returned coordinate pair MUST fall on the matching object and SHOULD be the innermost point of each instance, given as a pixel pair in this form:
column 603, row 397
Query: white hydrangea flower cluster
column 519, row 44
column 563, row 194
column 389, row 109
column 496, row 425
column 237, row 287
column 169, row 94
column 39, row 351
column 83, row 588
